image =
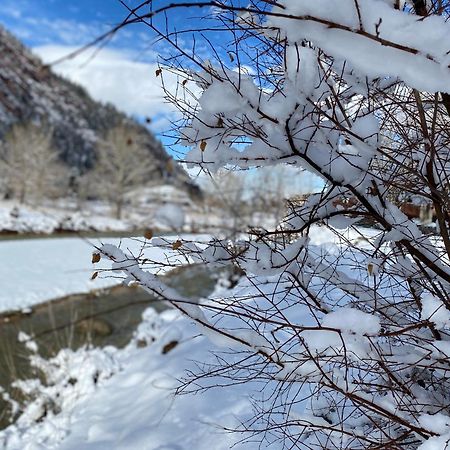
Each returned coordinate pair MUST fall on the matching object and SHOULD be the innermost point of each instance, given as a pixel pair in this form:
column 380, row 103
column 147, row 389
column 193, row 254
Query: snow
column 353, row 321
column 96, row 411
column 90, row 414
column 344, row 328
column 46, row 220
column 436, row 443
column 438, row 423
column 162, row 208
column 29, row 343
column 435, row 311
column 64, row 215
column 385, row 34
column 124, row 399
column 37, row 270
column 170, row 216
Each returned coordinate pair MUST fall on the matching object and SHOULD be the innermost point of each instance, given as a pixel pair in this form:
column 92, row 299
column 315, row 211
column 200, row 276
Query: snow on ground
column 46, row 220
column 36, row 270
column 124, row 399
column 145, row 212
column 66, row 216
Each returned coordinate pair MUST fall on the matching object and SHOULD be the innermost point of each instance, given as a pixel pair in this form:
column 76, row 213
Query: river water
column 106, row 316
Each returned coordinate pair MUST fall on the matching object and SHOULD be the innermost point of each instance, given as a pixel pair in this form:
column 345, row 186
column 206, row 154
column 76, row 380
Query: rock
column 169, row 347
column 94, row 326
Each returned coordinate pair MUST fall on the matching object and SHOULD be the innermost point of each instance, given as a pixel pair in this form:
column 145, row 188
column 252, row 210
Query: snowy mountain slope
column 29, row 90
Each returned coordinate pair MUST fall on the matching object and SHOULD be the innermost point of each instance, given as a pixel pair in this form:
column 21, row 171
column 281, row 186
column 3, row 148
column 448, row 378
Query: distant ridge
column 30, row 91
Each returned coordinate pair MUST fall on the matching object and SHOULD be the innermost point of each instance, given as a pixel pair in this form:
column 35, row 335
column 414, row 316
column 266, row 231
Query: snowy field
column 37, row 270
column 45, row 220
column 66, row 215
column 95, row 410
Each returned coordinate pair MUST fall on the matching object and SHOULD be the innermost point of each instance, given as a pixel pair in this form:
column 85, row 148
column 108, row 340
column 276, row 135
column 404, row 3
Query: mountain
column 30, row 91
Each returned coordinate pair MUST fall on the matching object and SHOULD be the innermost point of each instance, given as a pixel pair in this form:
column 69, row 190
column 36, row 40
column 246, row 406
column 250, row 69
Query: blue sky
column 123, row 72
column 40, row 22
column 65, row 22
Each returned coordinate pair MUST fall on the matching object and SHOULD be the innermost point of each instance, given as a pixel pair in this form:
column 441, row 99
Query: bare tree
column 123, row 163
column 249, row 199
column 29, row 164
column 225, row 194
column 344, row 313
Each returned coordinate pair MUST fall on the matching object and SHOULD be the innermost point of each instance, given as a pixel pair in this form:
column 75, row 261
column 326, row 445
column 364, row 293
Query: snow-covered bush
column 346, row 327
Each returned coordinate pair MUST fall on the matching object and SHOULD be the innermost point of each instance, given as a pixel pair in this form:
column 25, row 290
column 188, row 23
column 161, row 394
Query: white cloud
column 244, row 70
column 62, row 31
column 11, row 11
column 113, row 76
column 32, row 22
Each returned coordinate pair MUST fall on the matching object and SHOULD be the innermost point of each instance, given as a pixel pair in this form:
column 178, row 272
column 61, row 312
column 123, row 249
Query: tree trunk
column 421, row 10
column 420, row 7
column 119, row 204
column 22, row 194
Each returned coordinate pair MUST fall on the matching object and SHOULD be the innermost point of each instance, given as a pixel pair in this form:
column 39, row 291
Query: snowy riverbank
column 95, row 399
column 37, row 270
column 124, row 399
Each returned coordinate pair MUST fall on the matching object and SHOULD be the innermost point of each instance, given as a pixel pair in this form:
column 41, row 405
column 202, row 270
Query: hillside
column 29, row 90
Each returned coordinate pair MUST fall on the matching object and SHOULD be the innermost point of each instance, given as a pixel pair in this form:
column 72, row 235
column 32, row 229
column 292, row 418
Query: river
column 35, row 271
